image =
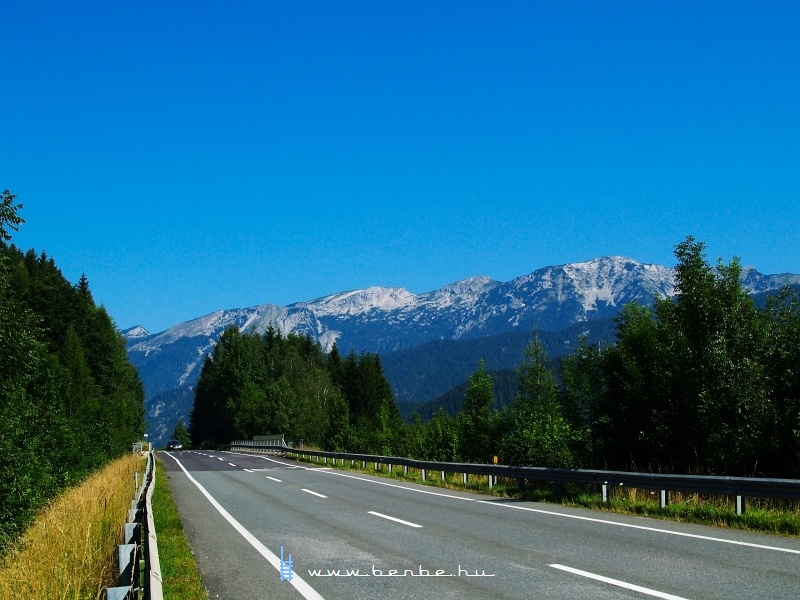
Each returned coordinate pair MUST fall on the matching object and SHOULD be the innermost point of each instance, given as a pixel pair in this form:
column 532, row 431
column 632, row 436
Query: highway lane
column 340, row 522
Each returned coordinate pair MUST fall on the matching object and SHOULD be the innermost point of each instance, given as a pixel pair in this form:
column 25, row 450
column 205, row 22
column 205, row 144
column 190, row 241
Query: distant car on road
column 174, row 445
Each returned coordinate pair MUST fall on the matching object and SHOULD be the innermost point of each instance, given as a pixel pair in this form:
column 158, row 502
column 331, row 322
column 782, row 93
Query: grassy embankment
column 69, row 552
column 178, row 569
column 761, row 514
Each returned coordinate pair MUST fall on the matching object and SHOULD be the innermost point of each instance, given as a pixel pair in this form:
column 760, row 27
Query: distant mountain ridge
column 385, row 320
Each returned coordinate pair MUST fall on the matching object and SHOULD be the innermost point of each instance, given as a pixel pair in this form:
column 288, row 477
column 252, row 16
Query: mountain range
column 395, row 322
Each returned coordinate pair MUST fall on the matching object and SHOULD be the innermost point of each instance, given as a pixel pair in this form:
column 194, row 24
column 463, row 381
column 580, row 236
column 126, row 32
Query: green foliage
column 504, row 389
column 9, row 216
column 707, row 382
column 441, row 368
column 782, row 371
column 181, row 434
column 441, row 438
column 474, row 422
column 176, row 560
column 69, row 399
column 704, row 383
column 543, row 441
column 539, row 434
column 255, row 384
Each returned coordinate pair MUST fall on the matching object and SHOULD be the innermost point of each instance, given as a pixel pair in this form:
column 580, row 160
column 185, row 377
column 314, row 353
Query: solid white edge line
column 645, row 528
column 313, row 493
column 297, row 582
column 553, row 513
column 619, row 583
column 395, row 519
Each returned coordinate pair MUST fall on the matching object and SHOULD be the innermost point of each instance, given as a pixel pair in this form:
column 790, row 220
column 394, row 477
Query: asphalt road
column 358, row 536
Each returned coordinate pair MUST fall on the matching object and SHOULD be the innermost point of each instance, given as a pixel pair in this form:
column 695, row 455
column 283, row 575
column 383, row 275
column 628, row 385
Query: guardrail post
column 127, row 558
column 604, row 492
column 118, row 593
column 131, row 533
column 443, row 476
column 740, row 505
column 363, row 464
column 490, row 481
column 405, row 469
column 423, row 474
column 465, row 479
column 663, row 499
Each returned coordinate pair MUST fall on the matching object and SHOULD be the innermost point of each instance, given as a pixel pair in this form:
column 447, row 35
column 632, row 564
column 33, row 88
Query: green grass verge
column 181, row 579
column 762, row 515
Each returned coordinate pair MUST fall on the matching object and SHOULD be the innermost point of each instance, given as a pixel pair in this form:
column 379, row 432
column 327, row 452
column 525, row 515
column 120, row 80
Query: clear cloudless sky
column 194, row 156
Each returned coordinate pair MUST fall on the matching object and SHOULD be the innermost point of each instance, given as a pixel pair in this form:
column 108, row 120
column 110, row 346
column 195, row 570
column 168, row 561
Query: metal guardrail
column 140, row 547
column 739, row 487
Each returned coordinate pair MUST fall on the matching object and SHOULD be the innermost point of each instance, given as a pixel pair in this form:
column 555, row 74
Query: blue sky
column 193, row 156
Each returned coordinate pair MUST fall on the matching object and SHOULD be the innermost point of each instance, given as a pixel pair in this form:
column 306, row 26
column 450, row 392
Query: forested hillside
column 436, row 368
column 705, row 382
column 69, row 399
column 253, row 384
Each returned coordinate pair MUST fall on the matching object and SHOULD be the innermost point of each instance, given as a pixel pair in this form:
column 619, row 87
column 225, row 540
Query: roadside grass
column 69, row 552
column 765, row 515
column 181, row 579
column 762, row 514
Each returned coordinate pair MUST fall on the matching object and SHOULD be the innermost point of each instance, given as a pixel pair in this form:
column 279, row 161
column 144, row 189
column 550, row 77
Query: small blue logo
column 286, row 567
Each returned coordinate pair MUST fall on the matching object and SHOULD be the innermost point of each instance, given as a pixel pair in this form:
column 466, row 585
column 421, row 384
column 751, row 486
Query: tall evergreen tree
column 69, row 399
column 475, row 431
column 539, row 434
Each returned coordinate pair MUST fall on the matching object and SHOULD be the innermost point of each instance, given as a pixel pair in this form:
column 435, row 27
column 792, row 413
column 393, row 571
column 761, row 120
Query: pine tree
column 539, row 434
column 475, row 433
column 181, row 435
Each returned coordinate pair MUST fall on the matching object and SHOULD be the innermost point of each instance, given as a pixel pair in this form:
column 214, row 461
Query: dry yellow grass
column 69, row 552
